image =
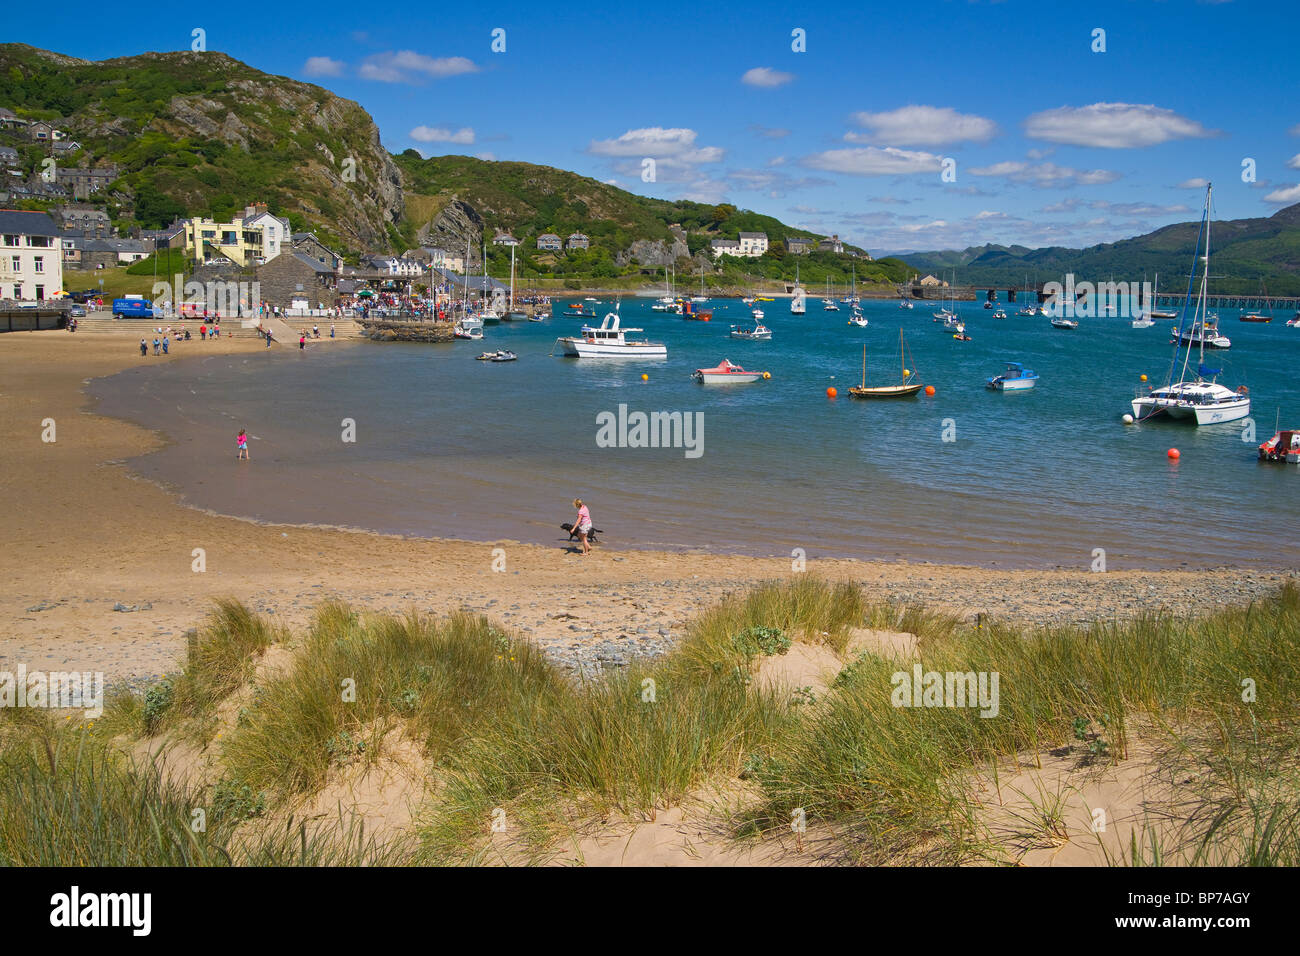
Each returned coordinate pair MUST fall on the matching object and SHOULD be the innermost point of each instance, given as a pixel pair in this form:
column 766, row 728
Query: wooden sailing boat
column 910, row 385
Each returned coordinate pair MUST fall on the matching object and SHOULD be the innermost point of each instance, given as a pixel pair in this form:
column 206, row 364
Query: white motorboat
column 759, row 333
column 473, row 332
column 858, row 319
column 757, row 314
column 610, row 340
column 906, row 304
column 1000, row 314
column 1061, row 322
column 1198, row 396
column 727, row 373
column 1015, row 378
column 1143, row 321
column 1205, row 334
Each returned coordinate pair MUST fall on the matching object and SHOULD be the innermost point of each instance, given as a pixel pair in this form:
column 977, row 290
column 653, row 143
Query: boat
column 829, row 304
column 727, row 373
column 1206, row 334
column 944, row 314
column 858, row 319
column 689, row 313
column 590, row 298
column 1061, row 322
column 797, row 306
column 701, row 297
column 610, row 341
column 1143, row 321
column 1155, row 297
column 1257, row 316
column 1284, row 446
column 905, row 304
column 759, row 333
column 505, row 355
column 1027, row 310
column 1197, row 397
column 1016, row 378
column 1293, row 323
column 909, row 385
column 473, row 332
column 961, row 336
column 988, row 303
column 757, row 314
column 1000, row 314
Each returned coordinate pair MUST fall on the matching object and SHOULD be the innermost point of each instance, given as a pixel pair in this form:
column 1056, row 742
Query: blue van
column 133, row 308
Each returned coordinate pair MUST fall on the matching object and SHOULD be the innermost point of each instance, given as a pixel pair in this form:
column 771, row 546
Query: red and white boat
column 725, row 373
column 1284, row 446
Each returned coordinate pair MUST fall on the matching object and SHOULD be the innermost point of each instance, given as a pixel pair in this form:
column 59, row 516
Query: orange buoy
column 644, row 377
column 1173, row 454
column 929, row 390
column 831, row 392
column 1142, row 378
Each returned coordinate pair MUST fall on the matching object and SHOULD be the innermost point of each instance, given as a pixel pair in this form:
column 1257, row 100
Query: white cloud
column 675, row 144
column 1293, row 162
column 766, row 76
column 407, row 66
column 922, row 126
column 1046, row 174
column 322, row 66
column 439, row 134
column 1112, row 125
column 1284, row 196
column 873, row 161
column 1196, row 183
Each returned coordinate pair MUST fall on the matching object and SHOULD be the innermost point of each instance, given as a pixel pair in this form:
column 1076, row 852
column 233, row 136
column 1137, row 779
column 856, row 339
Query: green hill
column 1245, row 252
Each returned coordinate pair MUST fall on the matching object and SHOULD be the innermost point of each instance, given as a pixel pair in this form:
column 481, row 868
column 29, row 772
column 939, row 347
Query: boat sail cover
column 1206, row 372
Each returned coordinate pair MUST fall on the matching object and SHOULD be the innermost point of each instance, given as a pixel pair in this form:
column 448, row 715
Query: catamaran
column 910, row 382
column 1198, row 398
column 610, row 340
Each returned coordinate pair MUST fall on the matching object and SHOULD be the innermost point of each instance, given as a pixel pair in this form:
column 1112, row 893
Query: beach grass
column 69, row 798
column 521, row 757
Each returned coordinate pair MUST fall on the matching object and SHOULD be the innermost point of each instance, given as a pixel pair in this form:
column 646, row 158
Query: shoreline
column 97, row 537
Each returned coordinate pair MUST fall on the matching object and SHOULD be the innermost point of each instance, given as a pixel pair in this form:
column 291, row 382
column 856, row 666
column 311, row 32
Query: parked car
column 77, row 312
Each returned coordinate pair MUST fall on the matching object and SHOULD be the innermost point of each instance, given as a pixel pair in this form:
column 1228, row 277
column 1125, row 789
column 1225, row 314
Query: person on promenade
column 269, row 338
column 582, row 524
column 164, row 345
column 331, row 330
column 241, row 445
column 203, row 332
column 302, row 341
column 315, row 331
column 156, row 346
column 144, row 349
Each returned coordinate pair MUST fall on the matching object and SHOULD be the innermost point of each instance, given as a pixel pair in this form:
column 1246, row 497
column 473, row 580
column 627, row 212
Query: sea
column 423, row 440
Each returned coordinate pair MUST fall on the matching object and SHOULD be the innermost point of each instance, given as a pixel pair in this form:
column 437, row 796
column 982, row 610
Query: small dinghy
column 726, row 373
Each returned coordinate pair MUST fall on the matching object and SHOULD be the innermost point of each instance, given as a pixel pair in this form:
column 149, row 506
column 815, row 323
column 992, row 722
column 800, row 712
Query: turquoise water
column 450, row 447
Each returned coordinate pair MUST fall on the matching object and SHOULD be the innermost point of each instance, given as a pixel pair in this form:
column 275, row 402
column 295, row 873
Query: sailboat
column 797, row 306
column 511, row 311
column 701, row 297
column 1155, row 297
column 1196, row 397
column 828, row 303
column 909, row 385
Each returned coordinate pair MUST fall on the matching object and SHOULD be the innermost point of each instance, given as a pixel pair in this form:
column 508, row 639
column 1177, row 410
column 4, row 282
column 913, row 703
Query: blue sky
column 1050, row 142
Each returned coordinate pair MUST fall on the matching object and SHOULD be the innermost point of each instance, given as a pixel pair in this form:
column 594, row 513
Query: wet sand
column 97, row 570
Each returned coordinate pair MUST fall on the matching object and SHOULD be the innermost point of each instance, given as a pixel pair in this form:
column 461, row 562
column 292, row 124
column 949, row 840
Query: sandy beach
column 99, row 567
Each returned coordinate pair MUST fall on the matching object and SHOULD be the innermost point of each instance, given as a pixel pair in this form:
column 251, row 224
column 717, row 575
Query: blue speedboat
column 1016, row 377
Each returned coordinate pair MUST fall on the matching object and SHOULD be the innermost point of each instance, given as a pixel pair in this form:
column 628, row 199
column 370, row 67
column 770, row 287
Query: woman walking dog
column 582, row 524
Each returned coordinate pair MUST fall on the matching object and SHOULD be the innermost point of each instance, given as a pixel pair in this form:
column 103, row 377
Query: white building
column 396, row 266
column 724, row 247
column 753, row 244
column 31, row 261
column 504, row 239
column 276, row 234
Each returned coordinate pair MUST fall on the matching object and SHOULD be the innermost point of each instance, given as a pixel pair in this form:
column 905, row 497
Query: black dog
column 591, row 535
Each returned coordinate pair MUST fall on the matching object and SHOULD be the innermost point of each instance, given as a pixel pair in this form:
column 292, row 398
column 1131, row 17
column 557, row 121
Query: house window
column 40, row 263
column 18, row 263
column 40, row 242
column 11, row 240
column 40, row 293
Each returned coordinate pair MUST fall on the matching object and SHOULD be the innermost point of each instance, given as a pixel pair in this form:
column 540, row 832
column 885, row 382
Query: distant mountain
column 1244, row 253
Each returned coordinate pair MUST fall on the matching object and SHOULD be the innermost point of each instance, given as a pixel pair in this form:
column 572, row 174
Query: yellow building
column 254, row 238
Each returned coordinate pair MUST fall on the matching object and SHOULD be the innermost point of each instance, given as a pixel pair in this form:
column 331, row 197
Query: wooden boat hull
column 885, row 391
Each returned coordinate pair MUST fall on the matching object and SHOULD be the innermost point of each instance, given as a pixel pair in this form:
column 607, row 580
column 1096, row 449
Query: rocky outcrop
column 381, row 330
column 643, row 252
column 456, row 227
